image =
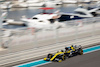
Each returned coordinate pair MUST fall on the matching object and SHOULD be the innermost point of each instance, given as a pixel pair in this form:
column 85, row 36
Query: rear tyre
column 80, row 52
column 63, row 57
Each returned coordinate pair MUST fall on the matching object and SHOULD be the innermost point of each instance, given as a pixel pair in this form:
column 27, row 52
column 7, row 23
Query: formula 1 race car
column 59, row 56
column 66, row 53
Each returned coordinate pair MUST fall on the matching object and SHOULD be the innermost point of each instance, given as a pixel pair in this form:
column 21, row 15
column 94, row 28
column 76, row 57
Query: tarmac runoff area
column 39, row 63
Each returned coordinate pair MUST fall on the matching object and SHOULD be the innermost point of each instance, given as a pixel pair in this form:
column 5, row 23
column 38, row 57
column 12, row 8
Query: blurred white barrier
column 73, row 28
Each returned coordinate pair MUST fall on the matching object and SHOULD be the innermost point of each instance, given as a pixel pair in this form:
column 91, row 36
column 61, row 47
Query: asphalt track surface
column 86, row 60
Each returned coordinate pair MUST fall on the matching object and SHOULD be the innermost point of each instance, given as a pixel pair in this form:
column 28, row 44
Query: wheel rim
column 63, row 57
column 81, row 52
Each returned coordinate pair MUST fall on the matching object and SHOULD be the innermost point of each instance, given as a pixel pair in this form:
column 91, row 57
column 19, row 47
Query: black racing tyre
column 80, row 52
column 67, row 55
column 49, row 56
column 74, row 54
column 63, row 57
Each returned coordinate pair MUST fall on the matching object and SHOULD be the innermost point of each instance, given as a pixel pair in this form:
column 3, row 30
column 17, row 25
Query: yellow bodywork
column 59, row 60
column 45, row 58
column 68, row 51
column 72, row 48
column 56, row 55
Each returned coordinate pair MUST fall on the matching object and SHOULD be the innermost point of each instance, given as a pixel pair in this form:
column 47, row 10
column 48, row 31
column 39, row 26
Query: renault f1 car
column 66, row 53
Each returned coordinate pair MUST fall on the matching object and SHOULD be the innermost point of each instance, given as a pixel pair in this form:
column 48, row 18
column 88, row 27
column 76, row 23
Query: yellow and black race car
column 59, row 56
column 63, row 54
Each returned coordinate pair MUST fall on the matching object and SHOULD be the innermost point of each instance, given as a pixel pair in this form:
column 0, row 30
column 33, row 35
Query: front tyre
column 49, row 56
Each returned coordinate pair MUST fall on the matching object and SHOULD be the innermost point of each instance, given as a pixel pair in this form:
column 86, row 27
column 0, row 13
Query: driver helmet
column 62, row 50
